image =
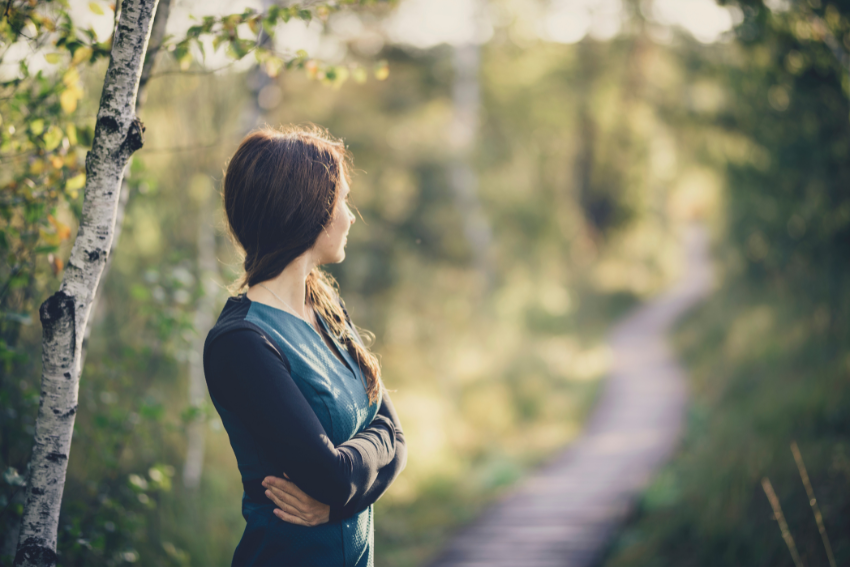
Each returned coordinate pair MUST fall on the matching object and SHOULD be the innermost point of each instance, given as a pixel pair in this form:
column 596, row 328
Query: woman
column 315, row 435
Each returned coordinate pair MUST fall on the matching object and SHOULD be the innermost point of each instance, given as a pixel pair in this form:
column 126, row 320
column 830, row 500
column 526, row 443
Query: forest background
column 523, row 171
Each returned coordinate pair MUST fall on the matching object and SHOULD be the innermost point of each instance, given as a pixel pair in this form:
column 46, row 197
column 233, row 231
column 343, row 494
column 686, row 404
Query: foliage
column 260, row 27
column 769, row 353
column 42, row 148
column 589, row 156
column 523, row 361
column 790, row 214
column 46, row 126
column 767, row 370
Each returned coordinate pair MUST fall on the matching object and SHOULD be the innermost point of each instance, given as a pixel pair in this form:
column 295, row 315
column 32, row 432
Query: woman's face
column 330, row 246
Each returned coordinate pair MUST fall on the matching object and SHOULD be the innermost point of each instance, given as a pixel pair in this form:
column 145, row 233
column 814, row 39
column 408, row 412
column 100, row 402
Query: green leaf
column 18, row 281
column 191, row 413
column 273, row 66
column 151, row 410
column 241, row 47
column 85, row 135
column 37, row 126
column 71, row 130
column 76, row 182
column 82, row 54
column 140, row 292
column 53, row 58
column 185, row 60
column 217, row 41
column 95, row 7
column 138, row 482
column 53, row 138
column 182, row 55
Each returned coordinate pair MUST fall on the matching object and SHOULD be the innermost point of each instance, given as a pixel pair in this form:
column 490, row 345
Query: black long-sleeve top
column 290, row 406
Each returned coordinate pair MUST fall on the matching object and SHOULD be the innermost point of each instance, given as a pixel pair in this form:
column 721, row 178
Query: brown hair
column 280, row 190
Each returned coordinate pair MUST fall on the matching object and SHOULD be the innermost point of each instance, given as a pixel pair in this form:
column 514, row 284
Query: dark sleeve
column 365, row 497
column 247, row 374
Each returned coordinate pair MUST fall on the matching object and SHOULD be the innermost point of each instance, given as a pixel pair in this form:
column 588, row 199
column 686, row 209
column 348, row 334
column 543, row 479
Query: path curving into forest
column 566, row 512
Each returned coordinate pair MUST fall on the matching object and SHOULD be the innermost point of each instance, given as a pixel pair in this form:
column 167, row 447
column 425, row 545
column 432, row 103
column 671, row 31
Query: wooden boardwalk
column 565, row 513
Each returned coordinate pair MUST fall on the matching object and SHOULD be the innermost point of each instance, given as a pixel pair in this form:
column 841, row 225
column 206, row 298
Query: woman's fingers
column 293, row 502
column 284, row 500
column 287, row 487
column 289, row 513
column 289, row 518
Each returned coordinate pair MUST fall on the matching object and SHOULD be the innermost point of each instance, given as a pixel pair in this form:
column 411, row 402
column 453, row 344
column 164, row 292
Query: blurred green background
column 522, row 176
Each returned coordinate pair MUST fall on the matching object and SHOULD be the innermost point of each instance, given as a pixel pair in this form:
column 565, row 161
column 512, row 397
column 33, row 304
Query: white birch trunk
column 160, row 21
column 208, row 270
column 118, row 133
column 462, row 177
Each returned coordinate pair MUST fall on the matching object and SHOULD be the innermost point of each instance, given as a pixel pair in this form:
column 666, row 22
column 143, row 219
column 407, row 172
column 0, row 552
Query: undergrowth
column 767, row 368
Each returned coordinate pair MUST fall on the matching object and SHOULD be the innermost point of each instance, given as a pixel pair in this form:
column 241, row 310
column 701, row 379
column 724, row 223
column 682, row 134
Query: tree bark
column 64, row 316
column 163, row 10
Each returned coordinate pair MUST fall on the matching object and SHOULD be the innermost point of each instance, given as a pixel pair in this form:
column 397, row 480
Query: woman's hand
column 293, row 505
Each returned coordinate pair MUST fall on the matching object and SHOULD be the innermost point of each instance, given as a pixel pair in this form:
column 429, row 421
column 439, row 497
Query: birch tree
column 155, row 43
column 64, row 316
column 203, row 321
column 118, row 134
column 463, row 180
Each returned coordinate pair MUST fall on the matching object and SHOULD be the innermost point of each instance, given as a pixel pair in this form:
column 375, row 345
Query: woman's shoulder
column 232, row 324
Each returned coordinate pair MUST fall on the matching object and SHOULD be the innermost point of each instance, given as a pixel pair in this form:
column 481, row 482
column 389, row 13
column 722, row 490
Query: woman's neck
column 287, row 290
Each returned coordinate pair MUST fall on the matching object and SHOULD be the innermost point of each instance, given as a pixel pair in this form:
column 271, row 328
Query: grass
column 769, row 368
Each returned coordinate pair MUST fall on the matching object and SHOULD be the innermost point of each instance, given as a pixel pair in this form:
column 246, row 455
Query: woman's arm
column 296, row 507
column 288, row 497
column 364, row 498
column 247, row 375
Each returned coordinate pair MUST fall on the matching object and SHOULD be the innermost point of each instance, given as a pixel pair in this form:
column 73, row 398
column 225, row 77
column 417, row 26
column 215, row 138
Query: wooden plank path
column 565, row 513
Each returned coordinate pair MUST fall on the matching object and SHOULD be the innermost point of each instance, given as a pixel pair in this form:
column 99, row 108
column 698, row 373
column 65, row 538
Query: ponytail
column 326, row 302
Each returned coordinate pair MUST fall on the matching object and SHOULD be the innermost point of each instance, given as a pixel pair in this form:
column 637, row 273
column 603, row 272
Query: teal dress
column 335, row 391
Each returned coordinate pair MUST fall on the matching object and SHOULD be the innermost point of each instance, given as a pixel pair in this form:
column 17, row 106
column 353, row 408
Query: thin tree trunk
column 462, row 177
column 157, row 35
column 64, row 315
column 193, row 466
column 208, row 270
column 586, row 136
